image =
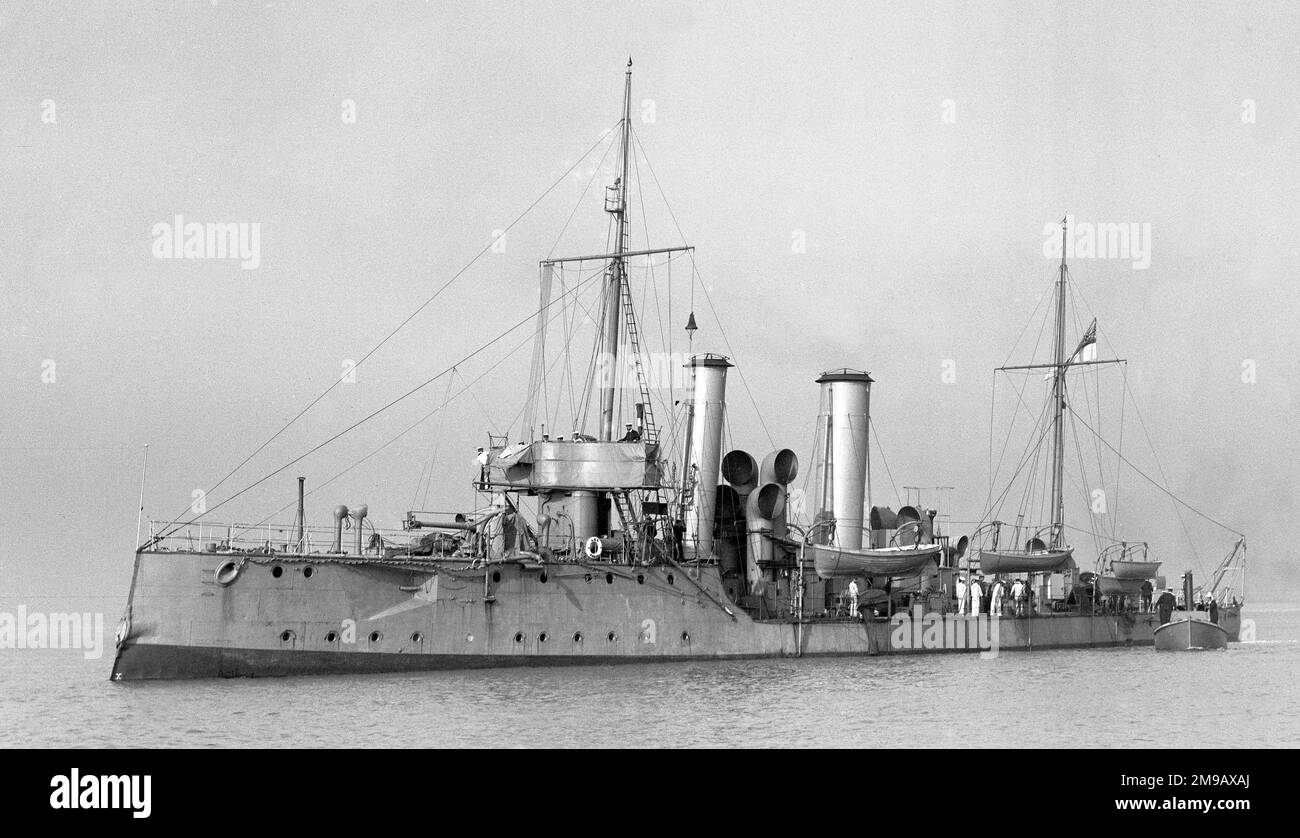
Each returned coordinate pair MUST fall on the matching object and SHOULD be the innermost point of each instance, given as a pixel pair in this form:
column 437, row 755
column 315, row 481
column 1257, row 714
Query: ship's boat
column 1189, row 633
column 1130, row 570
column 1128, row 560
column 843, row 562
column 1024, row 561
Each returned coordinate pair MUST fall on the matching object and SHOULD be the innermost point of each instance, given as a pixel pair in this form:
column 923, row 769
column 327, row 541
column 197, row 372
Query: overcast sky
column 867, row 185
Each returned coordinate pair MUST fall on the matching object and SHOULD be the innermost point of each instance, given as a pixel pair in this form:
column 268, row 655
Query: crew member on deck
column 632, row 435
column 995, row 604
column 1019, row 594
column 961, row 596
column 1165, row 605
column 976, row 596
column 1213, row 609
column 1147, row 590
column 853, row 598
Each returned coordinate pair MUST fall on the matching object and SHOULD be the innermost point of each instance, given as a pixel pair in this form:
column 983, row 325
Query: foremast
column 616, row 273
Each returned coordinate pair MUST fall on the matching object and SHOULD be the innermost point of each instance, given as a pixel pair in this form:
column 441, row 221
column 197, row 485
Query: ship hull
column 1230, row 619
column 326, row 616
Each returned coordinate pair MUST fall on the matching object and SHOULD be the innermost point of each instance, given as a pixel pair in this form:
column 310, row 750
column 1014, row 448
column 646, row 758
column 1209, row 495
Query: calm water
column 1248, row 696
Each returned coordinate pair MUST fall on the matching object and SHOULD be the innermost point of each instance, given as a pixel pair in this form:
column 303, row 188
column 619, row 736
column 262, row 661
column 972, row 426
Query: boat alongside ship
column 632, row 544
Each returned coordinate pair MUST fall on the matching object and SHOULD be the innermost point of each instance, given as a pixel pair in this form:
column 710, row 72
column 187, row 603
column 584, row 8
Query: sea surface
column 1247, row 696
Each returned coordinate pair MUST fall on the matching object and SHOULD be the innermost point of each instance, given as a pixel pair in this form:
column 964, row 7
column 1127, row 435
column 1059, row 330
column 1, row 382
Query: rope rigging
column 447, row 284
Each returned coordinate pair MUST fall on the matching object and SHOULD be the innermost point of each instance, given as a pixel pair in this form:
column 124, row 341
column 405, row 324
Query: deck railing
column 271, row 539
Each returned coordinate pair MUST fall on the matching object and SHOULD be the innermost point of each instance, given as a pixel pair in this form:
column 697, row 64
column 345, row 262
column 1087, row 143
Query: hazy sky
column 916, row 150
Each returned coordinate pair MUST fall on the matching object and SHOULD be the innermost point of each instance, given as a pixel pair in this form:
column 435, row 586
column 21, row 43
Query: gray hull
column 319, row 615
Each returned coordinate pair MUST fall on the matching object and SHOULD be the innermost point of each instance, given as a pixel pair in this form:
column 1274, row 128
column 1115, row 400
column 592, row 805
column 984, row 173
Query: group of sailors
column 1003, row 598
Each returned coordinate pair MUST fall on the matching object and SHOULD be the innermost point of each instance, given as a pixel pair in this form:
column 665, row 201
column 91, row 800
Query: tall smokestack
column 704, row 451
column 841, row 470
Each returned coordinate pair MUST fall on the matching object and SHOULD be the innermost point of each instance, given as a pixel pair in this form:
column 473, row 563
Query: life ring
column 228, row 572
column 593, row 547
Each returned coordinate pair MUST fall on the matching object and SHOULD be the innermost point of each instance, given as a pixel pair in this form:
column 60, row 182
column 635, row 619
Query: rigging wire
column 695, row 273
column 467, row 388
column 358, row 423
column 1153, row 482
column 897, row 497
column 401, row 325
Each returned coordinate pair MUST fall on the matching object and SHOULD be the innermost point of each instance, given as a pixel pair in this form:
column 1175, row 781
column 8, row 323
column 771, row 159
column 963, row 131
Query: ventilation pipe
column 358, row 515
column 764, row 506
column 704, row 449
column 780, row 467
column 340, row 512
column 841, row 467
column 302, row 516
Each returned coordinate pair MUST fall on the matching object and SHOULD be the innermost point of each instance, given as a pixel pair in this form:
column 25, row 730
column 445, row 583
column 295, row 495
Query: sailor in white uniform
column 976, row 596
column 961, row 596
column 1018, row 595
column 995, row 607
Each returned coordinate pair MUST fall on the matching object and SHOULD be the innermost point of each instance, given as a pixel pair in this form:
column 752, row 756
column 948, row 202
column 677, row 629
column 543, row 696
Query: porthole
column 519, row 637
column 640, row 578
column 277, row 571
column 417, row 638
column 586, row 577
column 542, row 578
column 469, row 638
column 577, row 637
column 611, row 637
column 331, row 636
column 670, row 579
column 609, row 578
column 375, row 637
column 686, row 637
column 307, row 572
column 496, row 576
column 286, row 636
column 543, row 637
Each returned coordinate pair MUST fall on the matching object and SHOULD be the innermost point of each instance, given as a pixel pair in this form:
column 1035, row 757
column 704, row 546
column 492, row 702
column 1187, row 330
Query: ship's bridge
column 579, row 464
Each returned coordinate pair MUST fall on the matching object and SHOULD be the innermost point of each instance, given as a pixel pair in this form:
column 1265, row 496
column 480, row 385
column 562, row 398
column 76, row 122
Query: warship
column 635, row 543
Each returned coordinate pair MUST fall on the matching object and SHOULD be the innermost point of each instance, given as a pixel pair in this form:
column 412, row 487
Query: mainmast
column 616, row 273
column 1058, row 407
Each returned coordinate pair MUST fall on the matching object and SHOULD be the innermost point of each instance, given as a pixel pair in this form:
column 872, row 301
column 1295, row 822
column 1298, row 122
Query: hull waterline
column 359, row 617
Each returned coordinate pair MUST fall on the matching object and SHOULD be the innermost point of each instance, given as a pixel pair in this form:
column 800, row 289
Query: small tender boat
column 1024, row 561
column 843, row 562
column 1190, row 632
column 1130, row 570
